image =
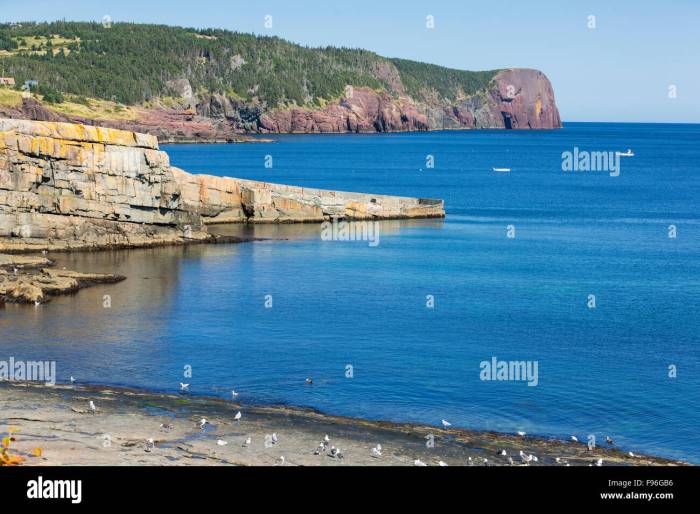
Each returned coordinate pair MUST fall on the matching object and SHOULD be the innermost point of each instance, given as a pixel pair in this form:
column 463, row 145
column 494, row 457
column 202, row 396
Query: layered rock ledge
column 69, row 186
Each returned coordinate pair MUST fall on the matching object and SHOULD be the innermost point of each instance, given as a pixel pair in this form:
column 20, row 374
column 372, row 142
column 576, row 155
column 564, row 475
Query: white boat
column 628, row 153
column 502, row 170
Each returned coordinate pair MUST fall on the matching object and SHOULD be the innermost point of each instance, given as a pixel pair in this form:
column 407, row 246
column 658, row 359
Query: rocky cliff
column 516, row 99
column 74, row 186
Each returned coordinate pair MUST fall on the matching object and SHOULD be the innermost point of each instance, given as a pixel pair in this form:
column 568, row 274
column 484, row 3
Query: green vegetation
column 132, row 64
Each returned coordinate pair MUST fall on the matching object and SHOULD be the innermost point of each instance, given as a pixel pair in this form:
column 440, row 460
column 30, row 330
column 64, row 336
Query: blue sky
column 619, row 71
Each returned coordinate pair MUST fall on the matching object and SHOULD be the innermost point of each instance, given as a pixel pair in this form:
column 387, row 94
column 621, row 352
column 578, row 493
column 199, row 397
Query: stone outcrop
column 66, row 186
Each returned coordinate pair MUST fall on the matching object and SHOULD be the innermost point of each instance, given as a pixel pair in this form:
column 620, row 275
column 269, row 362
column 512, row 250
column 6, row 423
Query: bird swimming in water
column 609, row 440
column 234, row 394
column 309, row 381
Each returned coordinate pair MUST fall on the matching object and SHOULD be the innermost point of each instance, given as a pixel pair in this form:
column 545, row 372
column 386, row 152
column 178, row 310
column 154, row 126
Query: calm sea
column 262, row 317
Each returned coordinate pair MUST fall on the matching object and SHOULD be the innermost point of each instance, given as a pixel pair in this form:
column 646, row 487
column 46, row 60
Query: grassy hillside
column 132, row 64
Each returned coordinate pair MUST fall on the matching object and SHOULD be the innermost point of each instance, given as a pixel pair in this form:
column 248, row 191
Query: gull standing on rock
column 203, row 422
column 274, row 437
column 234, row 394
column 93, row 409
column 238, row 416
column 574, row 438
column 419, row 462
column 521, row 433
column 248, row 441
column 377, row 451
column 446, row 423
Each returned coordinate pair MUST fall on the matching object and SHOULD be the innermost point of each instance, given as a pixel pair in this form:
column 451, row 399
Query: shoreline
column 58, row 420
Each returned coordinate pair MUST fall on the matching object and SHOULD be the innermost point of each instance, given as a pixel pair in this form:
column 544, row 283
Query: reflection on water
column 312, row 230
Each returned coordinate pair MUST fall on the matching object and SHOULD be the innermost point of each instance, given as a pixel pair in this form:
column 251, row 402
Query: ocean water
column 602, row 371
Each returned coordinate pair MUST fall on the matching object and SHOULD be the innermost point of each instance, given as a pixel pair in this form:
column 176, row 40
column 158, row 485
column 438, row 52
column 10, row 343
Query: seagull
column 510, row 461
column 446, row 423
column 37, row 303
column 442, row 464
column 321, row 448
column 470, row 461
column 184, row 387
column 238, row 416
column 609, row 440
column 574, row 438
column 274, row 438
column 281, row 460
column 503, row 453
column 525, row 457
column 377, row 451
column 150, row 444
column 521, row 433
column 72, row 380
column 599, row 462
column 419, row 462
column 309, row 381
column 202, row 423
column 44, row 252
column 234, row 394
column 248, row 441
column 221, row 442
column 93, row 409
column 326, row 439
column 336, row 453
column 631, row 454
column 14, row 270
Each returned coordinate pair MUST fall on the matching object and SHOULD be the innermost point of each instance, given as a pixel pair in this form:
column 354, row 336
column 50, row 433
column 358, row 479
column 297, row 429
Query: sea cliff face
column 65, row 186
column 515, row 99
